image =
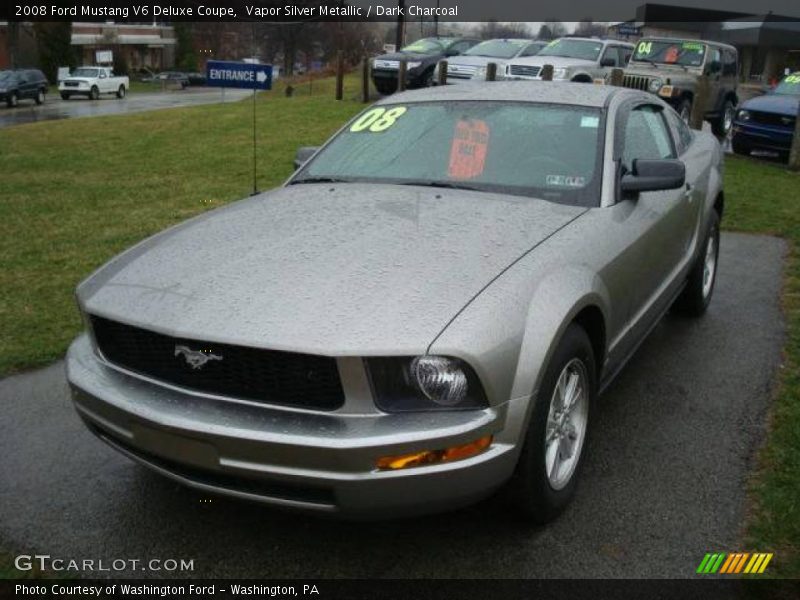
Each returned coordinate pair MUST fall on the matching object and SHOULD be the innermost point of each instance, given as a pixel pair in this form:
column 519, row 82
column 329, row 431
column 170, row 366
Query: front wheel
column 385, row 87
column 696, row 296
column 547, row 472
column 721, row 126
column 121, row 92
column 64, row 96
column 684, row 109
column 94, row 93
column 39, row 97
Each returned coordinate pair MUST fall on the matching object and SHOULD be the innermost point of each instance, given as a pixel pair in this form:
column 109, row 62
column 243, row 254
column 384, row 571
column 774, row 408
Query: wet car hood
column 408, row 56
column 343, row 269
column 556, row 61
column 476, row 61
column 781, row 104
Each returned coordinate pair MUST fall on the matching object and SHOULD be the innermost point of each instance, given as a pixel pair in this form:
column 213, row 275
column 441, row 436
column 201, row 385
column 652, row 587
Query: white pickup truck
column 91, row 82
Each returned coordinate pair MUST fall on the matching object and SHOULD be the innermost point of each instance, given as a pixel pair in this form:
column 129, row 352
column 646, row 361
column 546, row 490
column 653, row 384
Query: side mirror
column 654, row 175
column 608, row 62
column 303, row 154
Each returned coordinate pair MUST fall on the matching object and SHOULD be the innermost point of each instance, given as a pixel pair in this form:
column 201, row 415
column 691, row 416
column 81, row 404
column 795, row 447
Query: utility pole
column 401, row 24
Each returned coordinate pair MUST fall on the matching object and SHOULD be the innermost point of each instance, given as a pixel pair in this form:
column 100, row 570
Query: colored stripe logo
column 731, row 563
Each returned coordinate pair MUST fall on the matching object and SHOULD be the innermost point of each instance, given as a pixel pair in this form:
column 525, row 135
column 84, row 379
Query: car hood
column 674, row 72
column 408, row 56
column 84, row 79
column 556, row 61
column 475, row 61
column 345, row 269
column 781, row 104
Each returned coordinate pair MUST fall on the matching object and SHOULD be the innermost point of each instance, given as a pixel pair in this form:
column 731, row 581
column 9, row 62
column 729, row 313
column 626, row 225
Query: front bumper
column 322, row 462
column 763, row 137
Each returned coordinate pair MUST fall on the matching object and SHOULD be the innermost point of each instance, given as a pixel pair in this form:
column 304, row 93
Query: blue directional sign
column 222, row 73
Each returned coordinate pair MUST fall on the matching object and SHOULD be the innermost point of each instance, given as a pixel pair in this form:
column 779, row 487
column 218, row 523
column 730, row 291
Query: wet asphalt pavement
column 672, row 444
column 55, row 108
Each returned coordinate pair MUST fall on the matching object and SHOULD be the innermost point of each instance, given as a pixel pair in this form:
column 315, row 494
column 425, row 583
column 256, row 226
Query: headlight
column 413, row 64
column 480, row 73
column 655, row 85
column 743, row 115
column 559, row 73
column 402, row 384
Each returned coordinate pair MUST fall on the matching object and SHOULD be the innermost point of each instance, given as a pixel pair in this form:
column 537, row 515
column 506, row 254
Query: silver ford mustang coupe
column 426, row 312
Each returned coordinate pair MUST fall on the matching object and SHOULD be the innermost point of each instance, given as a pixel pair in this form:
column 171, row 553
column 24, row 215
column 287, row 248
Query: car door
column 660, row 224
column 609, row 59
column 23, row 85
column 714, row 71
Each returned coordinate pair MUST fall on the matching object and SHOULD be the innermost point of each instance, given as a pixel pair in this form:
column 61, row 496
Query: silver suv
column 574, row 59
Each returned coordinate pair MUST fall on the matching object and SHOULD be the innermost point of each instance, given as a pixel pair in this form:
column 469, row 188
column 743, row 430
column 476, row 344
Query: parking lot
column 672, row 449
column 55, row 108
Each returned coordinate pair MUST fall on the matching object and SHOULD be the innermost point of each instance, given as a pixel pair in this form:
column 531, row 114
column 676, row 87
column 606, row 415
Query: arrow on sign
column 261, row 77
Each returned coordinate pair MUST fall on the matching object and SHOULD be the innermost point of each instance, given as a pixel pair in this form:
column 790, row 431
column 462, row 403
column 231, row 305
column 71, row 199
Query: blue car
column 767, row 122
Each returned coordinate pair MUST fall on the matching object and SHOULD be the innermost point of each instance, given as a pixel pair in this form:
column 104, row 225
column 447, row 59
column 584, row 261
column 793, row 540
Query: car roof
column 545, row 92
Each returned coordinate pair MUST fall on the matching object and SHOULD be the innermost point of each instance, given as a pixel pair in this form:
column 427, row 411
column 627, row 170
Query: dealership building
column 767, row 44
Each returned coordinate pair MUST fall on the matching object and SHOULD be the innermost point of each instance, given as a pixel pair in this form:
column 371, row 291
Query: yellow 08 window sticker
column 378, row 119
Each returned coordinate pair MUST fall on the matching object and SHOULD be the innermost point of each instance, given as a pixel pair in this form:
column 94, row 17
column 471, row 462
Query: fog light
column 429, row 457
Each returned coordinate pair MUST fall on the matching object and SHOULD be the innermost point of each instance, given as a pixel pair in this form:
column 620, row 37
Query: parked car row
column 668, row 67
column 180, row 78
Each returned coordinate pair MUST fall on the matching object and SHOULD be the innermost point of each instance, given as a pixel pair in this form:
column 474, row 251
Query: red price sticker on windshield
column 468, row 152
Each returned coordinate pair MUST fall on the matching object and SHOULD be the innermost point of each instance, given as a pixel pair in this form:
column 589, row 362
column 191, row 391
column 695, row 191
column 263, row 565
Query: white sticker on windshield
column 592, row 122
column 573, row 181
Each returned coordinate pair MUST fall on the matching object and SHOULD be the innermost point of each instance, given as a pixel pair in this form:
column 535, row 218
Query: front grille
column 524, row 71
column 72, row 83
column 269, row 376
column 636, row 82
column 772, row 119
column 460, row 71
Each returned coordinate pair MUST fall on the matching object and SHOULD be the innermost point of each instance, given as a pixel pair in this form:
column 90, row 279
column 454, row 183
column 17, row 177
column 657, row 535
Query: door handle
column 688, row 192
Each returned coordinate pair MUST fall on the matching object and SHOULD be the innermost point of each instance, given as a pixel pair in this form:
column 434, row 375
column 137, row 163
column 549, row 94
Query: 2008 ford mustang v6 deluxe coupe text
column 424, row 313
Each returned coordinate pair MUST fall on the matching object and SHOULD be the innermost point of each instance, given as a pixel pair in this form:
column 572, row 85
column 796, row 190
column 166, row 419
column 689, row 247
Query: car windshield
column 6, row 75
column 497, row 48
column 425, row 46
column 539, row 150
column 581, row 49
column 85, row 73
column 790, row 86
column 687, row 54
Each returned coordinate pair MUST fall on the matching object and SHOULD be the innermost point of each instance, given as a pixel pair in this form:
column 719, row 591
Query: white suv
column 574, row 59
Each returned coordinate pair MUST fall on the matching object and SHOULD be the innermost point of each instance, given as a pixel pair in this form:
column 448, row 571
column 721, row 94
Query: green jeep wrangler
column 670, row 67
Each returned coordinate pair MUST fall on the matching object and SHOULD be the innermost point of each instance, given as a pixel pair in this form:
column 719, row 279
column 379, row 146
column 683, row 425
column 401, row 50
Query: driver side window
column 646, row 136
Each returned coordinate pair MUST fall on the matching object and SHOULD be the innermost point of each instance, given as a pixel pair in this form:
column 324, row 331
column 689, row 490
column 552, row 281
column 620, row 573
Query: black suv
column 22, row 83
column 421, row 59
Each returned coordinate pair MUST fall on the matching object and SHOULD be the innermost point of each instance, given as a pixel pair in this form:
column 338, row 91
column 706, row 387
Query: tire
column 39, row 97
column 121, row 92
column 696, row 296
column 65, row 95
column 684, row 110
column 721, row 126
column 539, row 488
column 94, row 93
column 385, row 88
column 12, row 100
column 740, row 148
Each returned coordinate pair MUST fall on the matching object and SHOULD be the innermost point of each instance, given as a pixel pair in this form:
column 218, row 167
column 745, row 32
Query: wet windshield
column 790, row 86
column 425, row 46
column 497, row 48
column 581, row 49
column 545, row 151
column 688, row 54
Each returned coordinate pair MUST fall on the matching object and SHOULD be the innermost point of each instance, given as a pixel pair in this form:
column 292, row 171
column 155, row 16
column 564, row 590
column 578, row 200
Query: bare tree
column 495, row 29
column 588, row 28
column 551, row 30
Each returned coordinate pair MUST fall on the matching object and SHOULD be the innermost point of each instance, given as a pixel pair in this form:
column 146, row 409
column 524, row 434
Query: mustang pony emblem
column 195, row 358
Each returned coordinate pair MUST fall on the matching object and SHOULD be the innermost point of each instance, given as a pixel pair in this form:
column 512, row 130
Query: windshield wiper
column 320, row 180
column 442, row 184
